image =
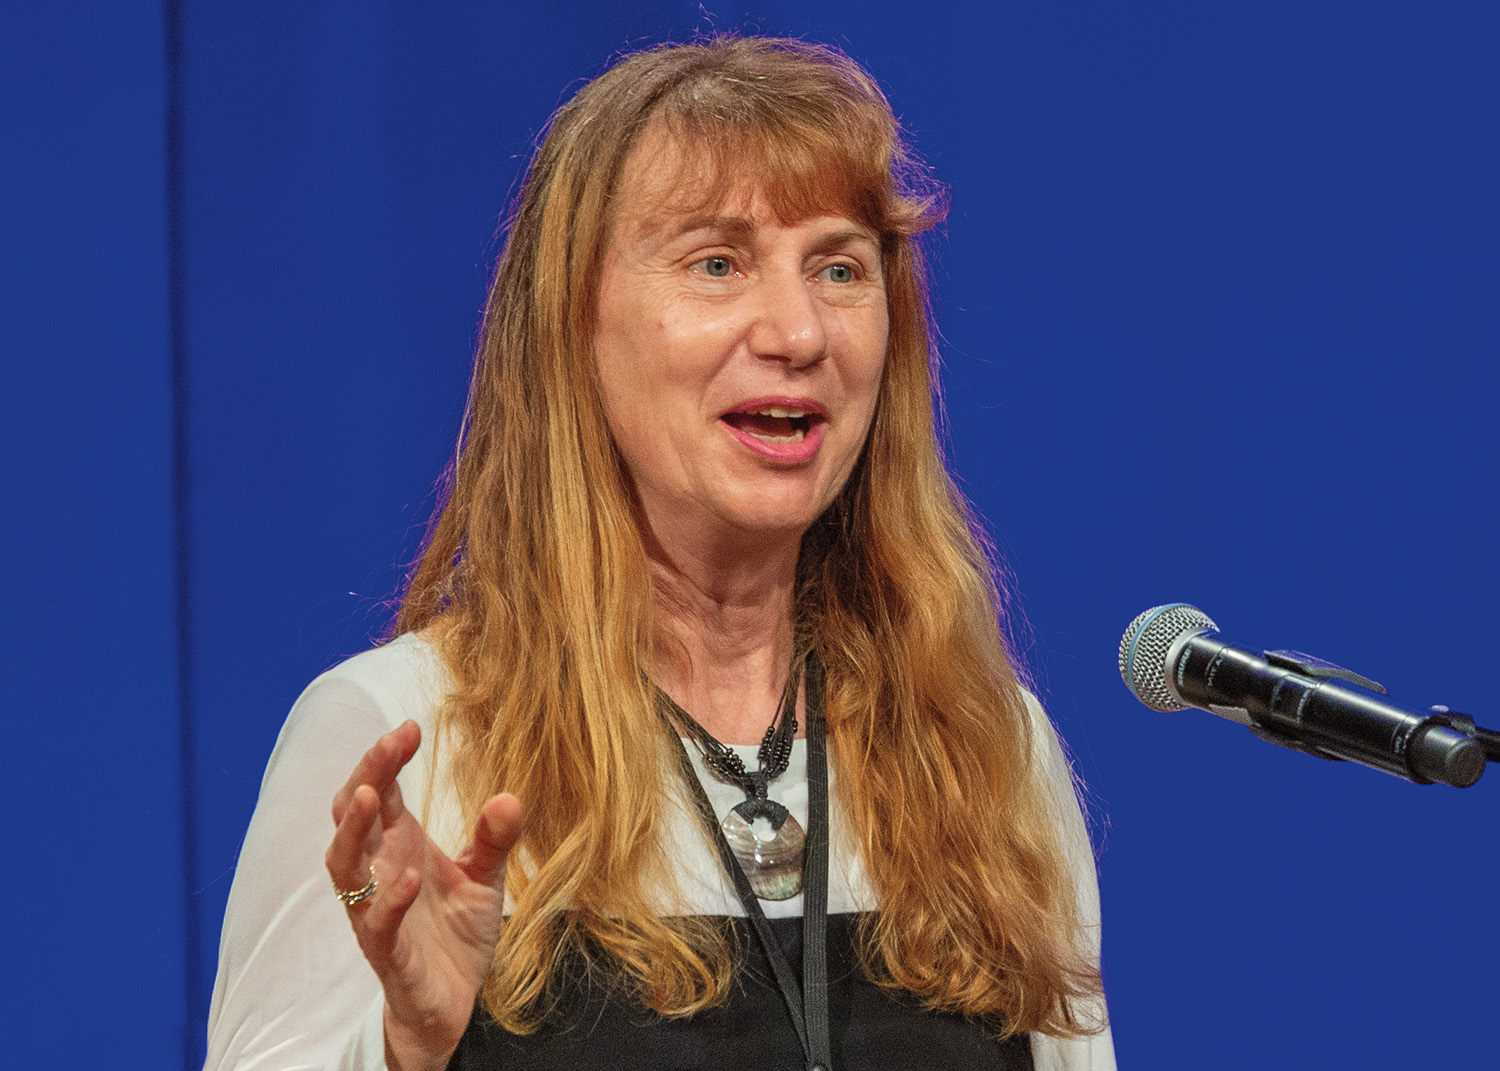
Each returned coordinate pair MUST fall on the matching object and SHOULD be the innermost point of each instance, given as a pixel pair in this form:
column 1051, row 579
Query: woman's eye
column 718, row 267
column 839, row 273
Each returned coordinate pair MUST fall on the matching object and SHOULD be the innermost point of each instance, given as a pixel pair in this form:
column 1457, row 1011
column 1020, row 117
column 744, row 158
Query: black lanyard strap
column 807, row 1004
column 815, row 879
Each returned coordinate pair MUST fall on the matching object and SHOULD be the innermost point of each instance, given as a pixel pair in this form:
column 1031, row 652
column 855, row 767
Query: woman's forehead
column 667, row 178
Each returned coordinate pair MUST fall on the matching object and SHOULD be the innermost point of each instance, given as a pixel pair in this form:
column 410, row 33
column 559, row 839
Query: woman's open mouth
column 774, row 424
column 783, row 431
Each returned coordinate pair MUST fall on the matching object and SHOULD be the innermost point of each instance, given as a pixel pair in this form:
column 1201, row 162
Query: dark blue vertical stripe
column 193, row 1039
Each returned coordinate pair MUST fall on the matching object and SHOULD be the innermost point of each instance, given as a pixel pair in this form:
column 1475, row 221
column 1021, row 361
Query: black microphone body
column 1173, row 657
column 1319, row 715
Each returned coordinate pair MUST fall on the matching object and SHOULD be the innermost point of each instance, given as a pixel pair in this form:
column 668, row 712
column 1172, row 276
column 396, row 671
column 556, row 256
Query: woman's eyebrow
column 740, row 229
column 844, row 237
column 734, row 227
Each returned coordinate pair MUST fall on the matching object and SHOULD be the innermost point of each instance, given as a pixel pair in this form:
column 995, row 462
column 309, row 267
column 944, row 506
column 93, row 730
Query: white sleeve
column 293, row 989
column 1092, row 1052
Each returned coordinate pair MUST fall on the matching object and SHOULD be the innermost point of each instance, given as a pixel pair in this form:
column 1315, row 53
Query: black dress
column 871, row 1029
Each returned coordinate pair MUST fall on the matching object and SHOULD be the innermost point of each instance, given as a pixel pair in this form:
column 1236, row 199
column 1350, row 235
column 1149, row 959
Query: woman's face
column 739, row 356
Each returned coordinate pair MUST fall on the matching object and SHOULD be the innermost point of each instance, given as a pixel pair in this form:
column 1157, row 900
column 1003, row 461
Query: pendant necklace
column 763, row 835
column 807, row 1002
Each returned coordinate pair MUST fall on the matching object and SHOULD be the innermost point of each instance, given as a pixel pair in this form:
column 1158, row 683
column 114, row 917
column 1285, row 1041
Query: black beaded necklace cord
column 775, row 747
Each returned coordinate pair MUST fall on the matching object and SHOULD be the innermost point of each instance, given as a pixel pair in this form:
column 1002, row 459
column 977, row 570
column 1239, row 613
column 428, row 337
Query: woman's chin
column 764, row 523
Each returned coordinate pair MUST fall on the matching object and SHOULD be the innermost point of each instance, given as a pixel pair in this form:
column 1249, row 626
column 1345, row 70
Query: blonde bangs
column 803, row 170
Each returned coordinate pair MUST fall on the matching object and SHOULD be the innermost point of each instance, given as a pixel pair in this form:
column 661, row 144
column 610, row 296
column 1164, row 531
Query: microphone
column 1172, row 658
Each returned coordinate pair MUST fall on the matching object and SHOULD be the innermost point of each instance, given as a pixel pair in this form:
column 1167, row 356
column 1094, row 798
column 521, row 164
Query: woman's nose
column 789, row 324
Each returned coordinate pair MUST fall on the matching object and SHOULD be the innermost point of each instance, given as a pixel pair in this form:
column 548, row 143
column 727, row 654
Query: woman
column 698, row 506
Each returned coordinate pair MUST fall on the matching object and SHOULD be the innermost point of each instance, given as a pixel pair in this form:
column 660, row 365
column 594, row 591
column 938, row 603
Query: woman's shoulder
column 1047, row 748
column 401, row 679
column 350, row 705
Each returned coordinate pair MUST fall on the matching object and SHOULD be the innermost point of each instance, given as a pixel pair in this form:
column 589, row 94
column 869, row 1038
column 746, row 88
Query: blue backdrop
column 1220, row 300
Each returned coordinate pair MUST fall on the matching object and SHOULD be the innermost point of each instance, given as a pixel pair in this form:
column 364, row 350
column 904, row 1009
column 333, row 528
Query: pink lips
column 788, row 453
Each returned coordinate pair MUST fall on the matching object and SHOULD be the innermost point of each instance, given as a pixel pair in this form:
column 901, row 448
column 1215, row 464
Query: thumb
column 495, row 834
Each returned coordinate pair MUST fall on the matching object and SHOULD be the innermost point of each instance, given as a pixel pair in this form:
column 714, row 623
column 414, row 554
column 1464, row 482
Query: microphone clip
column 1312, row 666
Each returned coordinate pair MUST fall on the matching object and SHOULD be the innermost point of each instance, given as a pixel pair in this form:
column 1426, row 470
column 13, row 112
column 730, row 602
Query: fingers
column 380, row 919
column 378, row 768
column 354, row 841
column 495, row 834
column 369, row 800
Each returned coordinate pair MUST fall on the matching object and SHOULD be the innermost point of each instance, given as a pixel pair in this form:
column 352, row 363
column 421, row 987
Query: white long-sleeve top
column 293, row 990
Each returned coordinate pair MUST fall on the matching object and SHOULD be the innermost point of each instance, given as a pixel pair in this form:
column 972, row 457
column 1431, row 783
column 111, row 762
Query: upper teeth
column 777, row 411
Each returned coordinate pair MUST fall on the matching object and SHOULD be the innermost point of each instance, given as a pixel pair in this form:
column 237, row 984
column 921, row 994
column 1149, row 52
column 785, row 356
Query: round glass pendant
column 767, row 841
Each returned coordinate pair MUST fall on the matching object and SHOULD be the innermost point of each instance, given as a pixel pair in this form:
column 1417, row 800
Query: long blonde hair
column 533, row 583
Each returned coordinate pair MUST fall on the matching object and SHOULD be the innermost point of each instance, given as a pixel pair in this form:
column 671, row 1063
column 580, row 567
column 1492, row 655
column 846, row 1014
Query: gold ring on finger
column 350, row 897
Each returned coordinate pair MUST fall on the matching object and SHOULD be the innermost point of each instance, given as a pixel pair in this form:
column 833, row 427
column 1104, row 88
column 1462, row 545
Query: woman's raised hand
column 430, row 927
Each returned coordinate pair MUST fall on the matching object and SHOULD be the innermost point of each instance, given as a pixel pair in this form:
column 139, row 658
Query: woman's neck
column 724, row 635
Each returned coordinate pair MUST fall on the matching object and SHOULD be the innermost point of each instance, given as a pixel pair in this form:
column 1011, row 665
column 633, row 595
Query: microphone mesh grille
column 1144, row 647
